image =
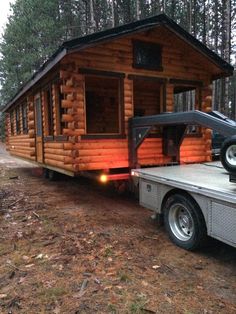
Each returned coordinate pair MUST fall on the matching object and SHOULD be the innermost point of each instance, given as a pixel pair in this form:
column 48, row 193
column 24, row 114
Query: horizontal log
column 102, row 166
column 103, row 158
column 21, row 140
column 59, row 152
column 194, row 154
column 23, row 155
column 31, row 115
column 194, row 159
column 31, row 124
column 31, row 133
column 154, row 161
column 54, row 145
column 22, row 151
column 76, row 132
column 68, row 146
column 67, row 118
column 103, row 152
column 54, row 157
column 58, row 164
column 19, row 136
column 68, row 160
column 22, row 144
column 102, row 144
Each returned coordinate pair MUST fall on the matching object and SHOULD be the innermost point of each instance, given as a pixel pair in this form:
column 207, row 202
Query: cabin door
column 39, row 129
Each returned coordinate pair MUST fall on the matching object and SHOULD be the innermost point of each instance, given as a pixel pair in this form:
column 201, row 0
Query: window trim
column 149, row 67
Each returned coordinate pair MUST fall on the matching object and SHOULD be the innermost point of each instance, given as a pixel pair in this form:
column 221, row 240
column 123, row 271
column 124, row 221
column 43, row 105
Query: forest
column 36, row 28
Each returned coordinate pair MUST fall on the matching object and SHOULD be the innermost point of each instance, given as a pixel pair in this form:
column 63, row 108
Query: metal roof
column 95, row 38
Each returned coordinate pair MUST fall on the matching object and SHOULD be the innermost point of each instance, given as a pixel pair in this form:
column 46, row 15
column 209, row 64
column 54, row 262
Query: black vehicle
column 217, row 141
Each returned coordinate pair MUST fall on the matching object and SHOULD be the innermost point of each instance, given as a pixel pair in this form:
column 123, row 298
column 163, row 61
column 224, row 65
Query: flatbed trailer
column 195, row 200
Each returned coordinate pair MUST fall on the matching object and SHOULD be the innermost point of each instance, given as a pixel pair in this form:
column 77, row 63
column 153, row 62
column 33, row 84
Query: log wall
column 77, row 153
column 117, row 56
column 23, row 145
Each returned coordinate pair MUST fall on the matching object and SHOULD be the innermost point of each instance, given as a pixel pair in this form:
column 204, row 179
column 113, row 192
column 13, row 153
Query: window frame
column 59, row 111
column 156, row 49
column 12, row 122
column 120, row 78
column 18, row 122
column 193, row 85
column 48, row 110
column 24, row 116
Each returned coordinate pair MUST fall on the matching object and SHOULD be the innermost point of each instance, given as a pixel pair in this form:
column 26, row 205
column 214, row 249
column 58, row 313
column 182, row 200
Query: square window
column 147, row 55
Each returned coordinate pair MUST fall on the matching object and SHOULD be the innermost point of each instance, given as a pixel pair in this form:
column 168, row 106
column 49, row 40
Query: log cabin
column 72, row 115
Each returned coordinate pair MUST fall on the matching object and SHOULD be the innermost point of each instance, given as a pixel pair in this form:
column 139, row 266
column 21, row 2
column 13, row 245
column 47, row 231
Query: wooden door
column 39, row 129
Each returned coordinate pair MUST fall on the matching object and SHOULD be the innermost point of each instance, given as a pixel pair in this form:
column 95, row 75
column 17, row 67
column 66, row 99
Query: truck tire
column 228, row 154
column 184, row 222
column 52, row 175
column 45, row 173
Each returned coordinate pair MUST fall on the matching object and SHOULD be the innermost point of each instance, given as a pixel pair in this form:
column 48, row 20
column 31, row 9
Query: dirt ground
column 72, row 246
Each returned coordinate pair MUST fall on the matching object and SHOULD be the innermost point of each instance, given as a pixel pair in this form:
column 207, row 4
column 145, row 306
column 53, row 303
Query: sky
column 4, row 12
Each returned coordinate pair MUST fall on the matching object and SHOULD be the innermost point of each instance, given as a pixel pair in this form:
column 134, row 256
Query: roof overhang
column 121, row 31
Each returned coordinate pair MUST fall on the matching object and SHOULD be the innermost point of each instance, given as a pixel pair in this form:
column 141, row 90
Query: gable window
column 18, row 130
column 103, row 99
column 147, row 55
column 24, row 113
column 48, row 107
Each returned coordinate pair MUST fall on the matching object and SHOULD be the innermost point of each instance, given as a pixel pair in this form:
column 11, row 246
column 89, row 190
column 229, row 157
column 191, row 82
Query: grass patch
column 124, row 277
column 112, row 309
column 138, row 305
column 108, row 251
column 52, row 294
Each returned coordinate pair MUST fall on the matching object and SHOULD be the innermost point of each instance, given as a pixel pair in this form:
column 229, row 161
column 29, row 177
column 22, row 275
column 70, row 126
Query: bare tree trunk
column 113, row 13
column 207, row 15
column 138, row 12
column 92, row 19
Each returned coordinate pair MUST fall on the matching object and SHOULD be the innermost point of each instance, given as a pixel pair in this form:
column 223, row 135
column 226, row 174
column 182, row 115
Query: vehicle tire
column 52, row 175
column 45, row 173
column 184, row 222
column 228, row 154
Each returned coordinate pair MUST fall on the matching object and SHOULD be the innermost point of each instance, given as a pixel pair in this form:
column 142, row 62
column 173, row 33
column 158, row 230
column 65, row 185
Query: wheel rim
column 230, row 155
column 181, row 222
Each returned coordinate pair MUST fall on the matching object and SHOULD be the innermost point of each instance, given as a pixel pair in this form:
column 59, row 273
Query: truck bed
column 208, row 179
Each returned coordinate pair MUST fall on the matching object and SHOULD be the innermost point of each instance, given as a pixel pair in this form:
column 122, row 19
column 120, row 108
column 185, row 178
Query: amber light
column 103, row 178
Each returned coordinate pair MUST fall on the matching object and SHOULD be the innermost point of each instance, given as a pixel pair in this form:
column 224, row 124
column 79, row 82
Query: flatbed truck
column 195, row 200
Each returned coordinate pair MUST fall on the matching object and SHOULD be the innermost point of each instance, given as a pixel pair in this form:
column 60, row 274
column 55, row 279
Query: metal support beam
column 174, row 127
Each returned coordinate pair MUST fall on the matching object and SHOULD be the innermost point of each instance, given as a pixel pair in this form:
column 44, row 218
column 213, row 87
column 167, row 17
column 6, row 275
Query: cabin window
column 12, row 122
column 147, row 55
column 48, row 98
column 103, row 113
column 185, row 99
column 18, row 130
column 60, row 125
column 38, row 111
column 24, row 113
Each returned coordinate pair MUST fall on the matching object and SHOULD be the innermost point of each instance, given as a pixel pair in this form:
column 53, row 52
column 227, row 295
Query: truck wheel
column 184, row 222
column 228, row 154
column 45, row 173
column 52, row 175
